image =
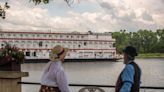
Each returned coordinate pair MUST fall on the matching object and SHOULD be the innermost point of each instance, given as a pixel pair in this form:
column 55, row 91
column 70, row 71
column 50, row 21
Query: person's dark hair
column 131, row 51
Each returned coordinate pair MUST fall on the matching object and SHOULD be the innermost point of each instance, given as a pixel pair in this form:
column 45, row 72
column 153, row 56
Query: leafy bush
column 11, row 54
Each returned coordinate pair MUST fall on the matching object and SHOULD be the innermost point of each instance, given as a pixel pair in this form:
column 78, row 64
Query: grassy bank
column 151, row 55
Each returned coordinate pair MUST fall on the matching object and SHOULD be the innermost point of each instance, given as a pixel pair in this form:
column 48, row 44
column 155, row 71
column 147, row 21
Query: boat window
column 40, row 44
column 56, row 36
column 29, row 41
column 34, row 54
column 21, row 35
column 27, row 53
column 85, row 43
column 61, row 36
column 1, row 34
column 8, row 34
column 16, row 41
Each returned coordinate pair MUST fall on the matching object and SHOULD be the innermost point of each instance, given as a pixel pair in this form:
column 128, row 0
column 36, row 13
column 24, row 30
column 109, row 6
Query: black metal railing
column 93, row 88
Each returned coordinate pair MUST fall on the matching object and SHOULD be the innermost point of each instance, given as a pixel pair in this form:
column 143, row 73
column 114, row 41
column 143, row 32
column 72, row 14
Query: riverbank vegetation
column 151, row 55
column 147, row 42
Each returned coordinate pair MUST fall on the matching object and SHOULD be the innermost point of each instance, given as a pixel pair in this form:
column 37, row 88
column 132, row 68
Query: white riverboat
column 37, row 45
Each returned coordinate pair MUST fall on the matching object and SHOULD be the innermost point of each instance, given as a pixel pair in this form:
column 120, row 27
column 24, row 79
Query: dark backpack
column 136, row 85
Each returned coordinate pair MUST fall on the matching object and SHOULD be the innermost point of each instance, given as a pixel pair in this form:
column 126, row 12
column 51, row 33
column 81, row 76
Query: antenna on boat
column 49, row 30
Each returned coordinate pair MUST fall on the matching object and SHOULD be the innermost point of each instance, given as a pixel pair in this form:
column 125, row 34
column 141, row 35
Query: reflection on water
column 104, row 73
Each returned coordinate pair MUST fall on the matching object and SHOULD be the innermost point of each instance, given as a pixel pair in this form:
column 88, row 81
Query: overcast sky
column 94, row 15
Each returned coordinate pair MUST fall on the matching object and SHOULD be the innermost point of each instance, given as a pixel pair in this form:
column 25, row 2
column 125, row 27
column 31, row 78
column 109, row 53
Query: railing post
column 9, row 80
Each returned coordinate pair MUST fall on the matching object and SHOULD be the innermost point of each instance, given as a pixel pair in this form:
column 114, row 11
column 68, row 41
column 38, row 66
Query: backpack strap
column 137, row 75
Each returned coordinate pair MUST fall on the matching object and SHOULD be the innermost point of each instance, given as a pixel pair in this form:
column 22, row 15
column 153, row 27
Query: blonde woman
column 54, row 78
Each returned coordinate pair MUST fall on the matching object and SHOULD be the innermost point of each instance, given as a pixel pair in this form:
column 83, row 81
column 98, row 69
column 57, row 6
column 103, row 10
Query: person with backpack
column 129, row 78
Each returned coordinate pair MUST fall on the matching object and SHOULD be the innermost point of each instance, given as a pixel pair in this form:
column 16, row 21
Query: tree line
column 145, row 41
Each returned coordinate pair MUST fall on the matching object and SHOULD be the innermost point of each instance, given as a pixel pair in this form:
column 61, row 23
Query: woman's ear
column 61, row 57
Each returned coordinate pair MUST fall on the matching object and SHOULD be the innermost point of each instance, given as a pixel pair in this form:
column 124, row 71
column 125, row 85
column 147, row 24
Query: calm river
column 100, row 73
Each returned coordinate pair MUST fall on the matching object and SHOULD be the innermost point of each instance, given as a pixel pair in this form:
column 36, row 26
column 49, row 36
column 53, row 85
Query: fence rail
column 89, row 85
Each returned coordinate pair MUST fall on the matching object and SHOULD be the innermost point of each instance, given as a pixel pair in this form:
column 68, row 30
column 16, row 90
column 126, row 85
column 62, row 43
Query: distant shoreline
column 151, row 55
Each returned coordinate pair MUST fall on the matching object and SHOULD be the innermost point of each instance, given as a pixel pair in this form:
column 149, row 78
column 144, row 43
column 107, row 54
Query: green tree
column 148, row 41
column 145, row 41
column 135, row 40
column 122, row 40
column 160, row 35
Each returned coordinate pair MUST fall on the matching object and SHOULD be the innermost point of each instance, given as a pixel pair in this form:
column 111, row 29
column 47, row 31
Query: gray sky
column 94, row 15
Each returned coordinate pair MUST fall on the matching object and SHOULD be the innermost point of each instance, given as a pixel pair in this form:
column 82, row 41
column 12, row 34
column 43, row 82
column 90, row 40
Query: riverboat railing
column 95, row 88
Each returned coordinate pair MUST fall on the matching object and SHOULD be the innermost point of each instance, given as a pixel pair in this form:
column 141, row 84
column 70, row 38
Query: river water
column 98, row 73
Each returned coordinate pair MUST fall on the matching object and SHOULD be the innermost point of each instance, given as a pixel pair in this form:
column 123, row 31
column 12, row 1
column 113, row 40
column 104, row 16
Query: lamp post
column 2, row 10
